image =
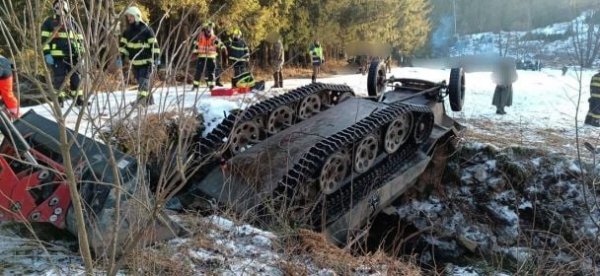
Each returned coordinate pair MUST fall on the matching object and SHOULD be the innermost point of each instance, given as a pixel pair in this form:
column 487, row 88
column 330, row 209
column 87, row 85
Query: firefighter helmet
column 236, row 32
column 60, row 6
column 135, row 12
column 208, row 25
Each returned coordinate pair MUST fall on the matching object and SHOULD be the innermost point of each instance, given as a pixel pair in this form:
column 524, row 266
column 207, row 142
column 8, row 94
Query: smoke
column 441, row 38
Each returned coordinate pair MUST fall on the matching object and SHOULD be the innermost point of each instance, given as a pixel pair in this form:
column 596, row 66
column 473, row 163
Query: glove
column 49, row 59
column 119, row 62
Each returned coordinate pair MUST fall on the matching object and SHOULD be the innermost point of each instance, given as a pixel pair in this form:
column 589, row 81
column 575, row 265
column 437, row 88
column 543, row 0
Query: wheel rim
column 380, row 81
column 243, row 136
column 325, row 97
column 366, row 152
column 344, row 96
column 420, row 131
column 333, row 172
column 280, row 119
column 397, row 133
column 309, row 106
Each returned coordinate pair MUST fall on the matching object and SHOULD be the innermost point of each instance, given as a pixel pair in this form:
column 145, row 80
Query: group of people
column 63, row 49
column 62, row 40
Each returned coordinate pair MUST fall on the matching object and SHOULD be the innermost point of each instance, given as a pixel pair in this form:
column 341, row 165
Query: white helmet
column 60, row 6
column 135, row 12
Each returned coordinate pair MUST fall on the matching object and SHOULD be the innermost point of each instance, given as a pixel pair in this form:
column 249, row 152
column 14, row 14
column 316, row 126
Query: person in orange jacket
column 207, row 49
column 6, row 87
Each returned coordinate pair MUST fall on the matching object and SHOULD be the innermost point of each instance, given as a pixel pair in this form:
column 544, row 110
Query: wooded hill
column 476, row 16
column 403, row 24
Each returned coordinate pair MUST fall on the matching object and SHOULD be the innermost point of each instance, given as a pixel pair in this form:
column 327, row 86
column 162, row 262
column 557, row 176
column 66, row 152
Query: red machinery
column 33, row 185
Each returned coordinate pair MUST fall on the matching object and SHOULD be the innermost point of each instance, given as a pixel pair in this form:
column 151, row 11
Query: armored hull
column 337, row 168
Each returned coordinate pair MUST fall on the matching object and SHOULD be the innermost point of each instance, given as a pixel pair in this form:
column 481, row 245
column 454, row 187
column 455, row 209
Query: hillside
column 554, row 44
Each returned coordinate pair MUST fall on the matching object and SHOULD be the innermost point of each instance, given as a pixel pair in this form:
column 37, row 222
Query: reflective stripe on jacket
column 61, row 38
column 238, row 50
column 139, row 44
column 207, row 47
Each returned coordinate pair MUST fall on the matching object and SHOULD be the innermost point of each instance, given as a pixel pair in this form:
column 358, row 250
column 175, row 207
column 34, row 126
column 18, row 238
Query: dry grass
column 151, row 133
column 326, row 255
column 504, row 134
column 150, row 262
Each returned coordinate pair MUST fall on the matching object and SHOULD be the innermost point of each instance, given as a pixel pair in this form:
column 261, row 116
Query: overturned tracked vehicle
column 319, row 157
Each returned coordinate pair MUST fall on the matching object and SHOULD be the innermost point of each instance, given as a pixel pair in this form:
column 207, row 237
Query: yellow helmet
column 236, row 32
column 208, row 25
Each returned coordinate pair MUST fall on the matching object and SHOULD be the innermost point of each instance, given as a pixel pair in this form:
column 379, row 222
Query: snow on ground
column 557, row 41
column 218, row 246
column 543, row 102
column 543, row 112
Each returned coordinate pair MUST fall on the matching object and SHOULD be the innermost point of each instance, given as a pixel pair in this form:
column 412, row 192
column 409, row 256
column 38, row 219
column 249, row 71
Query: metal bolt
column 15, row 207
column 43, row 175
column 58, row 211
column 53, row 218
column 53, row 201
column 35, row 216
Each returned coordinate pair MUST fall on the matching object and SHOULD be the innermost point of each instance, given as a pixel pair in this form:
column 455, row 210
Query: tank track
column 217, row 138
column 213, row 149
column 307, row 169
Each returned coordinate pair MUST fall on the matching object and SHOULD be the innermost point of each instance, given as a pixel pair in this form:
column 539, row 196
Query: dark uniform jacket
column 139, row 44
column 238, row 50
column 61, row 37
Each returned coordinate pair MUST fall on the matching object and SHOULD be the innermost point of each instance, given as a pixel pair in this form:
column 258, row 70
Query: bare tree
column 586, row 39
column 134, row 212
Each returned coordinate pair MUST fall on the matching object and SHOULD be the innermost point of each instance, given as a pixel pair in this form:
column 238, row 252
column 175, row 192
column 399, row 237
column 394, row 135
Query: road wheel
column 376, row 79
column 456, row 89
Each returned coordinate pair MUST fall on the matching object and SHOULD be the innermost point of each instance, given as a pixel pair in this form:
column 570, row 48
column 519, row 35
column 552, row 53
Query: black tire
column 456, row 89
column 376, row 79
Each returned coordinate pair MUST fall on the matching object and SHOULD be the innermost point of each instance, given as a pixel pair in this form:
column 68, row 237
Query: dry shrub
column 326, row 255
column 151, row 262
column 151, row 134
column 293, row 269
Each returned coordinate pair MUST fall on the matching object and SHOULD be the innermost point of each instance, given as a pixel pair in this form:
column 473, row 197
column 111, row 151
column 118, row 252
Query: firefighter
column 316, row 54
column 6, row 85
column 138, row 44
column 207, row 47
column 593, row 116
column 62, row 42
column 239, row 56
column 277, row 60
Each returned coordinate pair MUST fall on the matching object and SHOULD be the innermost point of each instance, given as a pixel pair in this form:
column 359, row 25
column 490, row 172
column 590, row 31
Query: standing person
column 62, row 42
column 504, row 77
column 207, row 47
column 316, row 54
column 220, row 62
column 138, row 44
column 277, row 60
column 239, row 56
column 6, row 85
column 388, row 64
column 593, row 116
